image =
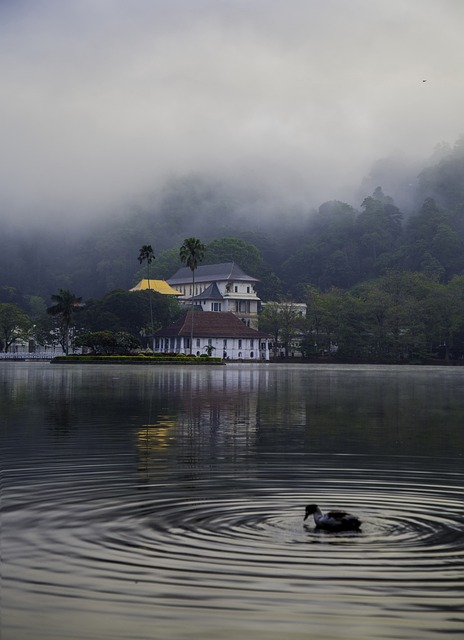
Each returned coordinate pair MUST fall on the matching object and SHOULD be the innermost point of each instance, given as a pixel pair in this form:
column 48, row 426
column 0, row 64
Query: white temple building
column 220, row 333
column 220, row 288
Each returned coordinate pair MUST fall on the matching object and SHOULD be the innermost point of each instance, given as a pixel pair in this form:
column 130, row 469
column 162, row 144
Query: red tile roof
column 210, row 324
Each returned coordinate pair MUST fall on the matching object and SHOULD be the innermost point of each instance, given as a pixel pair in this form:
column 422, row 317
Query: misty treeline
column 344, row 253
column 398, row 317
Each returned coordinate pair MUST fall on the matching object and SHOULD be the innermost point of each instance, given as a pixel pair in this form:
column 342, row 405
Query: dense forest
column 395, row 261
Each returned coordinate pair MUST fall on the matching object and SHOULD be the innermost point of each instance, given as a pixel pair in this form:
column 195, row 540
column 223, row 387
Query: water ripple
column 239, row 542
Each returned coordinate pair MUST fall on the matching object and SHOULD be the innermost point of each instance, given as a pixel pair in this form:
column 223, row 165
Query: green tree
column 65, row 307
column 209, row 350
column 270, row 321
column 334, row 323
column 108, row 342
column 282, row 321
column 379, row 228
column 14, row 324
column 146, row 255
column 167, row 263
column 191, row 253
column 249, row 258
column 443, row 316
column 44, row 332
column 456, row 295
column 431, row 243
column 394, row 315
column 346, row 324
column 291, row 322
column 331, row 255
column 315, row 340
column 324, row 319
column 129, row 311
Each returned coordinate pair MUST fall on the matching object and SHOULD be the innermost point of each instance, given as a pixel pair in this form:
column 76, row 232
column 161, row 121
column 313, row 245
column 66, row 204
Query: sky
column 101, row 101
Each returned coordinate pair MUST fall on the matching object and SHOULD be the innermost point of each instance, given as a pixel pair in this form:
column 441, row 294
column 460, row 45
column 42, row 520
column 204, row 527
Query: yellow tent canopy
column 159, row 286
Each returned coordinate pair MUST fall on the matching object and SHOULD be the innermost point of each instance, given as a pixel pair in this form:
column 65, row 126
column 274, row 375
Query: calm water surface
column 168, row 502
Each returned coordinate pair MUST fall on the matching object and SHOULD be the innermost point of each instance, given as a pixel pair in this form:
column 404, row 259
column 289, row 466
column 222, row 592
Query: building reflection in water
column 200, row 413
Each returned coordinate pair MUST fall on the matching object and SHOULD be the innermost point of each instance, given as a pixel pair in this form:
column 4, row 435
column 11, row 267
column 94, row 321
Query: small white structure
column 220, row 288
column 223, row 334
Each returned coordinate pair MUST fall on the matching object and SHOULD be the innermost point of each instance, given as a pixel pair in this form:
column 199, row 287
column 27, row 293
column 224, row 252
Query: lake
column 168, row 502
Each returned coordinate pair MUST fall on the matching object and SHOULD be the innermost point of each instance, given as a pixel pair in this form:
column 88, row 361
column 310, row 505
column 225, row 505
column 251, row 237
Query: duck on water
column 333, row 520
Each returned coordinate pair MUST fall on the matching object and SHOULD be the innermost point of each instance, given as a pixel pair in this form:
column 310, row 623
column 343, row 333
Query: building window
column 216, row 306
column 210, row 341
column 236, row 289
column 224, row 343
column 248, row 289
column 239, row 344
column 252, row 344
column 198, row 342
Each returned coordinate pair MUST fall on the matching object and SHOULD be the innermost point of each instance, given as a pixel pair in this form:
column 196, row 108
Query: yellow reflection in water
column 152, row 439
column 156, row 435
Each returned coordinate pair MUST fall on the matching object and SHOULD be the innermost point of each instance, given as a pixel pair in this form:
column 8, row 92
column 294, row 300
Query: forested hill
column 336, row 246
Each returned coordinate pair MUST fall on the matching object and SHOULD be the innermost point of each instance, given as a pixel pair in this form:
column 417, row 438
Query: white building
column 222, row 333
column 220, row 288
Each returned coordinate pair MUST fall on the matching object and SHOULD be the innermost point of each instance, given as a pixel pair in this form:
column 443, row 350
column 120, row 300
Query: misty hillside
column 405, row 220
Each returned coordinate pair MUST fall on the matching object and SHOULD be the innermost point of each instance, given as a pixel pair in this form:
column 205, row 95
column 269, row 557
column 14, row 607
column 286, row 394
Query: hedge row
column 140, row 359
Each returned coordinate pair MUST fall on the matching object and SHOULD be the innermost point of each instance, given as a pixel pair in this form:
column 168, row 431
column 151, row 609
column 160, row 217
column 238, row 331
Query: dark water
column 168, row 503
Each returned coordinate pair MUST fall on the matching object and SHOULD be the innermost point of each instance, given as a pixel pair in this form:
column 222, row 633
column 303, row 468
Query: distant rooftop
column 159, row 286
column 210, row 324
column 208, row 272
column 210, row 293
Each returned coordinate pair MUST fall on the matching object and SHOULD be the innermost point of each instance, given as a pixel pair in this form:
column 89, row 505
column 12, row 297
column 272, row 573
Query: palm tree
column 191, row 253
column 66, row 304
column 146, row 253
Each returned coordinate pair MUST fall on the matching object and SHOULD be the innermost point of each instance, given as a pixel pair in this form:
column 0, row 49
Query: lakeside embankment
column 140, row 359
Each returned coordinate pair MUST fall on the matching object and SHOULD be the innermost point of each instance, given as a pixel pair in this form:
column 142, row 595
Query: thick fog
column 102, row 100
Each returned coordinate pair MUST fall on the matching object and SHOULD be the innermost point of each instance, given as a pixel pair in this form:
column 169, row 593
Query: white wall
column 229, row 348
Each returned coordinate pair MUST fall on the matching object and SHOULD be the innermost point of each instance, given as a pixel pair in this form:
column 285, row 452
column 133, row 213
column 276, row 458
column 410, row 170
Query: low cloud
column 103, row 101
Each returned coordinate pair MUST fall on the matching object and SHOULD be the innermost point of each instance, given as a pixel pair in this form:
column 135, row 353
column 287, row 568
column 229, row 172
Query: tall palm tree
column 191, row 253
column 66, row 304
column 146, row 253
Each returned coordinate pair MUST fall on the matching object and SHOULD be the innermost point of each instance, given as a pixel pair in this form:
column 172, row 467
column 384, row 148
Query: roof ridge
column 218, row 271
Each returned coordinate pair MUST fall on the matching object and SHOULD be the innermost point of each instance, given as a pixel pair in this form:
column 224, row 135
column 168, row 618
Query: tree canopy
column 14, row 325
column 191, row 253
column 65, row 307
column 128, row 312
